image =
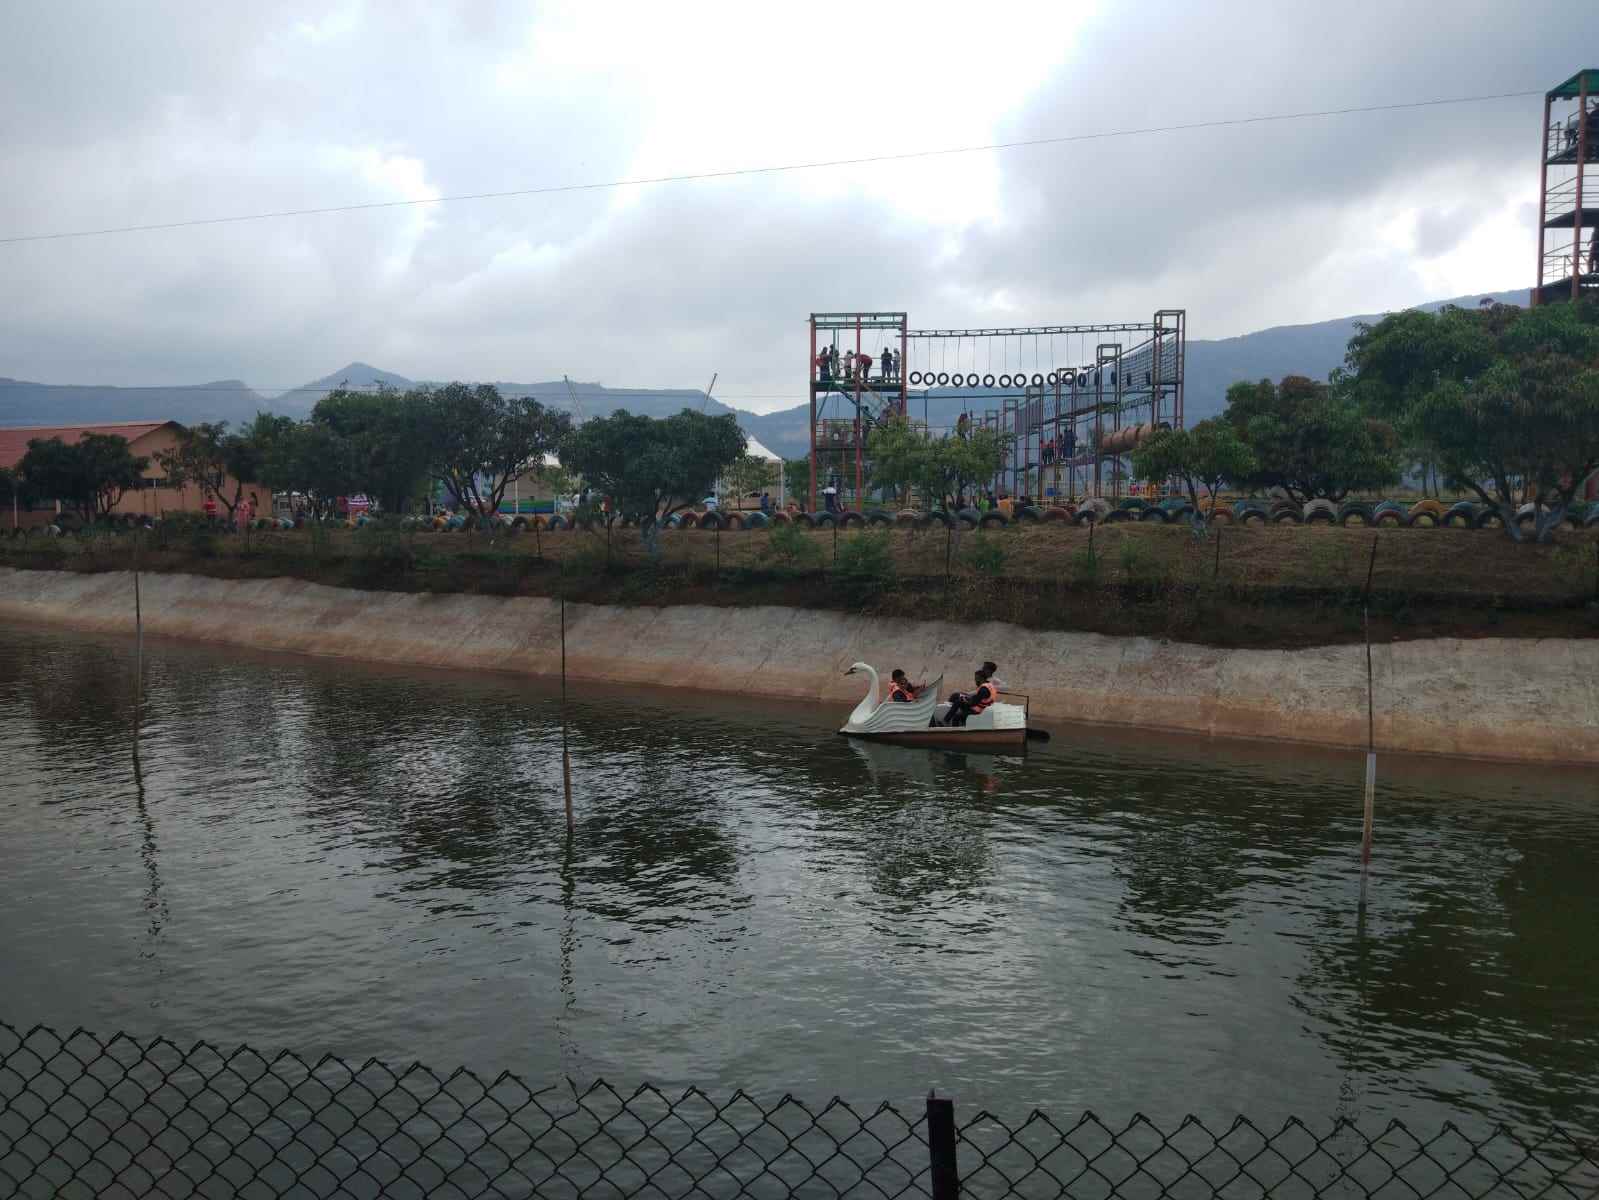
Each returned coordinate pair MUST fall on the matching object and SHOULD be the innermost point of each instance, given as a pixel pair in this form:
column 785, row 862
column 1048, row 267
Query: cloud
column 122, row 115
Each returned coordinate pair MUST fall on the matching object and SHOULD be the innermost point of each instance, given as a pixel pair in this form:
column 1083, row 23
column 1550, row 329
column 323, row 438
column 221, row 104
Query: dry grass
column 1268, row 586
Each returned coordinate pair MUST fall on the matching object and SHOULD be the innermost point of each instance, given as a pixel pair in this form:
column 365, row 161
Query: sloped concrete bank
column 1521, row 700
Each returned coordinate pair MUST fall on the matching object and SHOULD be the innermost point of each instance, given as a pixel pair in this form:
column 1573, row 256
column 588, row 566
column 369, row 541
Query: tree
column 905, row 457
column 479, row 441
column 208, row 456
column 1506, row 398
column 749, row 473
column 651, row 468
column 90, row 475
column 388, row 447
column 1311, row 440
column 1202, row 458
column 311, row 460
column 797, row 480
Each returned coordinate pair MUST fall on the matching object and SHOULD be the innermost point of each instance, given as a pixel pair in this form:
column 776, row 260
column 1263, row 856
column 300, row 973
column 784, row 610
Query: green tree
column 211, row 458
column 479, row 440
column 1507, row 399
column 90, row 475
column 311, row 461
column 650, row 468
column 749, row 473
column 1311, row 440
column 797, row 480
column 906, row 458
column 388, row 444
column 1201, row 458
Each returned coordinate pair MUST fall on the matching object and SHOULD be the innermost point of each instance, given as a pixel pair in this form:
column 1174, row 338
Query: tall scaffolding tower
column 1567, row 200
column 846, row 403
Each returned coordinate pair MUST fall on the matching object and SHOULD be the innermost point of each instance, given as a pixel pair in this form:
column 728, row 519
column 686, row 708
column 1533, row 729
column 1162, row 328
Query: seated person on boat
column 967, row 704
column 900, row 687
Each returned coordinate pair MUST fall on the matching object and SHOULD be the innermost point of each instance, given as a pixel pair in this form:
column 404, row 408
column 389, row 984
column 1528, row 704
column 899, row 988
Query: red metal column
column 1582, row 160
column 810, row 388
column 904, row 396
column 1543, row 194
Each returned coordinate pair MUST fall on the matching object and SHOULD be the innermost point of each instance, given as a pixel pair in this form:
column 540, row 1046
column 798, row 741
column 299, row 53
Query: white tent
column 758, row 450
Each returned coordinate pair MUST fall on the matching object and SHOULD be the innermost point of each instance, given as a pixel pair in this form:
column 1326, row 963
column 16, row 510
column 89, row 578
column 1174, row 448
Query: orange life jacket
column 900, row 691
column 985, row 695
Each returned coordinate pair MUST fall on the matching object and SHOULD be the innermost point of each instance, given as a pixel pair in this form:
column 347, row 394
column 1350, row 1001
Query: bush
column 986, row 555
column 790, row 546
column 1085, row 565
column 1131, row 556
column 865, row 564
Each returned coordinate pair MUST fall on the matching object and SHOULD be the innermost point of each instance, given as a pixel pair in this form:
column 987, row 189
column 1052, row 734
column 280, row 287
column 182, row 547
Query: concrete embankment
column 1513, row 699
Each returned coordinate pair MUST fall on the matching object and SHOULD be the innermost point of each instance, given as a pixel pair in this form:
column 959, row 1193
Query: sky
column 121, row 114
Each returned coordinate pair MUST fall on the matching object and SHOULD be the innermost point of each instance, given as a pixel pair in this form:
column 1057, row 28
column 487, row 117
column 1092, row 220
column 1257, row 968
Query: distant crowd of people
column 853, row 367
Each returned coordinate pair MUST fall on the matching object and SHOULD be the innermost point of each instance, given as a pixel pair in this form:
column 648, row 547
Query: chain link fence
column 84, row 1115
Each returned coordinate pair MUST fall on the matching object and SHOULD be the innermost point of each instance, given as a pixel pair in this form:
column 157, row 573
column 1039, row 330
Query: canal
column 331, row 857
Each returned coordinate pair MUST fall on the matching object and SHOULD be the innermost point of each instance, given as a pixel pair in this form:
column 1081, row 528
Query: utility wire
column 821, row 164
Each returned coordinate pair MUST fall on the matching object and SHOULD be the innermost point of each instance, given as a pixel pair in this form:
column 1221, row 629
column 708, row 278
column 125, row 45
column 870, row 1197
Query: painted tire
column 1488, row 518
column 781, row 518
column 1057, row 515
column 1032, row 514
column 997, row 520
column 850, row 518
column 558, row 522
column 1422, row 520
column 1117, row 515
column 1087, row 516
column 1287, row 516
column 1153, row 516
column 1459, row 515
column 733, row 521
column 804, row 520
column 1252, row 516
column 876, row 516
column 824, row 520
column 756, row 520
column 1320, row 512
column 688, row 520
column 1353, row 513
column 937, row 517
column 969, row 517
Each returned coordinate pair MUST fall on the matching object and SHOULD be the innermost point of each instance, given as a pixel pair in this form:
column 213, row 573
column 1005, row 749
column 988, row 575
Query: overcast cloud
column 114, row 114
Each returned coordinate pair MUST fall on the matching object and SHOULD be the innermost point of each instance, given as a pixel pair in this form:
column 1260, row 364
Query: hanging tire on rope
column 1038, row 381
column 1053, row 379
column 1004, row 381
column 915, row 378
column 943, row 379
column 988, row 381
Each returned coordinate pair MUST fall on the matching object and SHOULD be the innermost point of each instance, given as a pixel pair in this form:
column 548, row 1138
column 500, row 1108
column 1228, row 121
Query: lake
column 327, row 856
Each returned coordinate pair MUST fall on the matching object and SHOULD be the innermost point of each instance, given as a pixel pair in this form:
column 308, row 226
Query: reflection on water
column 326, row 856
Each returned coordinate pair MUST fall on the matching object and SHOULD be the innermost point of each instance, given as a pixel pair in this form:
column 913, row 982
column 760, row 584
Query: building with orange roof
column 155, row 498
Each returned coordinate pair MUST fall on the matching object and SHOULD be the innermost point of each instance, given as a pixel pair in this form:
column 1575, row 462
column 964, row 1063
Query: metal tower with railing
column 1568, row 201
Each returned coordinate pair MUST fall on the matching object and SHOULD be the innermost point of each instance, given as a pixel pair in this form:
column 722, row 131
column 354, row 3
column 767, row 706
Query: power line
column 821, row 164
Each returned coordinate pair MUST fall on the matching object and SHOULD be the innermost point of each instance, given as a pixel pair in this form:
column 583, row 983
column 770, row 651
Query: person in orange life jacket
column 992, row 671
column 901, row 688
column 965, row 704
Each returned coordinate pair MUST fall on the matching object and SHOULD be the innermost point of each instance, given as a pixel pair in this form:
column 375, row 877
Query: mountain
column 1213, row 365
column 24, row 403
column 299, row 402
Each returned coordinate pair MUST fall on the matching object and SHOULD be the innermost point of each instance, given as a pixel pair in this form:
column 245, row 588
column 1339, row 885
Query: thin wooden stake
column 1215, row 571
column 138, row 635
column 566, row 752
column 1371, row 720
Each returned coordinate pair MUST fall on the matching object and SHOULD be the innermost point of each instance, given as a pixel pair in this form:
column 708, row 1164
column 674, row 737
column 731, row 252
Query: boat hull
column 954, row 738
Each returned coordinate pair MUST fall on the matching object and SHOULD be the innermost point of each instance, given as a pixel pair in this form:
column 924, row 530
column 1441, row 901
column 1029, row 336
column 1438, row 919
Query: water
column 332, row 857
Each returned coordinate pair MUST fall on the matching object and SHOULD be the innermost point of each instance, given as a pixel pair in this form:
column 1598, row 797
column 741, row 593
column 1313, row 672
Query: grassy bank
column 1281, row 586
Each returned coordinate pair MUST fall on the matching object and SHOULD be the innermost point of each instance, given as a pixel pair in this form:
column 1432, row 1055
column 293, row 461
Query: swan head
column 859, row 667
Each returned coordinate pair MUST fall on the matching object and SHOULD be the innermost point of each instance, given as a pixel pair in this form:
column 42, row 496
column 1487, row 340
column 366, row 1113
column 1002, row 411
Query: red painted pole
column 857, row 409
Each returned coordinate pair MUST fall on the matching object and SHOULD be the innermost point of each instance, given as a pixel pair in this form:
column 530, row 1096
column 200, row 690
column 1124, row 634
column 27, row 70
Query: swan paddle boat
column 912, row 723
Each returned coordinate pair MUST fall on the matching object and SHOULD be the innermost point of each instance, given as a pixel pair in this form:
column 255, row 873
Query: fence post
column 945, row 1175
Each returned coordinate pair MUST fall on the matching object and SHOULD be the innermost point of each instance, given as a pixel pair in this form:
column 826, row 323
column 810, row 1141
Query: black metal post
column 1215, row 571
column 945, row 1175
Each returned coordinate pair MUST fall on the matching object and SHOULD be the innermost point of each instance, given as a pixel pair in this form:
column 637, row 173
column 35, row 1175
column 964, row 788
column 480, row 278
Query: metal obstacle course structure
column 1068, row 401
column 1567, row 199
